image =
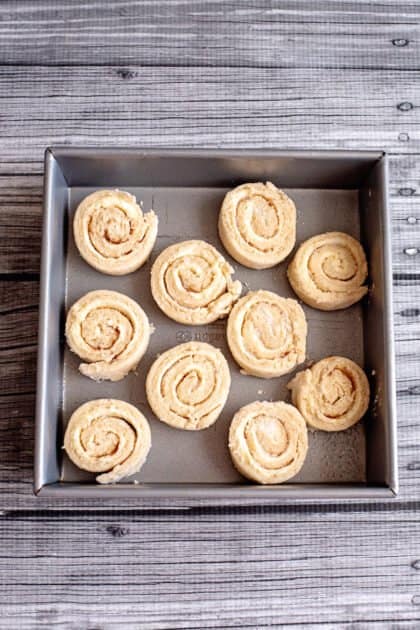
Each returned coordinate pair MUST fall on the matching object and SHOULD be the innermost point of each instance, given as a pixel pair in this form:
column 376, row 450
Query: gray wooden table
column 184, row 73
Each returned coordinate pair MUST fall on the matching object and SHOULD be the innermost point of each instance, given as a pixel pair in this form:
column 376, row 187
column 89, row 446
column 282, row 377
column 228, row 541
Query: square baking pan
column 345, row 191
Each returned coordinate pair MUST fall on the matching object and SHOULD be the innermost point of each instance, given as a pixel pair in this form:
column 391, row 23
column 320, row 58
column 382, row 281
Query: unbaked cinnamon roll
column 109, row 331
column 328, row 271
column 108, row 436
column 257, row 225
column 192, row 283
column 266, row 334
column 332, row 395
column 268, row 441
column 187, row 386
column 111, row 232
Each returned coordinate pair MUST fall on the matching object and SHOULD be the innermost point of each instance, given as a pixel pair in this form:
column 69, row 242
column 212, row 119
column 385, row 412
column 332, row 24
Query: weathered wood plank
column 18, row 327
column 17, row 439
column 206, row 107
column 187, row 617
column 214, row 570
column 20, row 251
column 253, row 33
column 20, row 220
column 18, row 315
column 16, row 296
column 18, row 369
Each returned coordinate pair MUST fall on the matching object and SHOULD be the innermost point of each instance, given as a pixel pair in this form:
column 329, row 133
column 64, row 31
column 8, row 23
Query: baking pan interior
column 331, row 192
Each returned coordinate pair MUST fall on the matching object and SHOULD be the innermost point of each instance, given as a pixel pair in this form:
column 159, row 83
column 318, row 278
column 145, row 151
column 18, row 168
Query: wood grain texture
column 212, row 570
column 213, row 33
column 167, row 106
column 257, row 73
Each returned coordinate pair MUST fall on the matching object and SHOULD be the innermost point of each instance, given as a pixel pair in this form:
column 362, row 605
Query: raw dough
column 187, row 386
column 268, row 441
column 257, row 225
column 328, row 271
column 191, row 283
column 332, row 395
column 108, row 330
column 111, row 232
column 266, row 334
column 108, row 436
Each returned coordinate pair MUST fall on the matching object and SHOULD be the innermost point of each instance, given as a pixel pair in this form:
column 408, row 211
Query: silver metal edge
column 389, row 332
column 42, row 361
column 214, row 493
column 212, row 152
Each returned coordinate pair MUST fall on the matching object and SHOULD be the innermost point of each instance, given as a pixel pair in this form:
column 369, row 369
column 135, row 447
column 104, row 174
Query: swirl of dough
column 188, row 385
column 191, row 283
column 328, row 271
column 268, row 441
column 257, row 225
column 108, row 436
column 266, row 334
column 108, row 330
column 111, row 232
column 332, row 395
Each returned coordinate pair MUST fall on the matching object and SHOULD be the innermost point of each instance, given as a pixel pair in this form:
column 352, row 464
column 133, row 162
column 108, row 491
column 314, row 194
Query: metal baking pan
column 344, row 191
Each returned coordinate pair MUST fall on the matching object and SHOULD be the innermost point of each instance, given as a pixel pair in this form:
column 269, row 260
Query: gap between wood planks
column 307, row 509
